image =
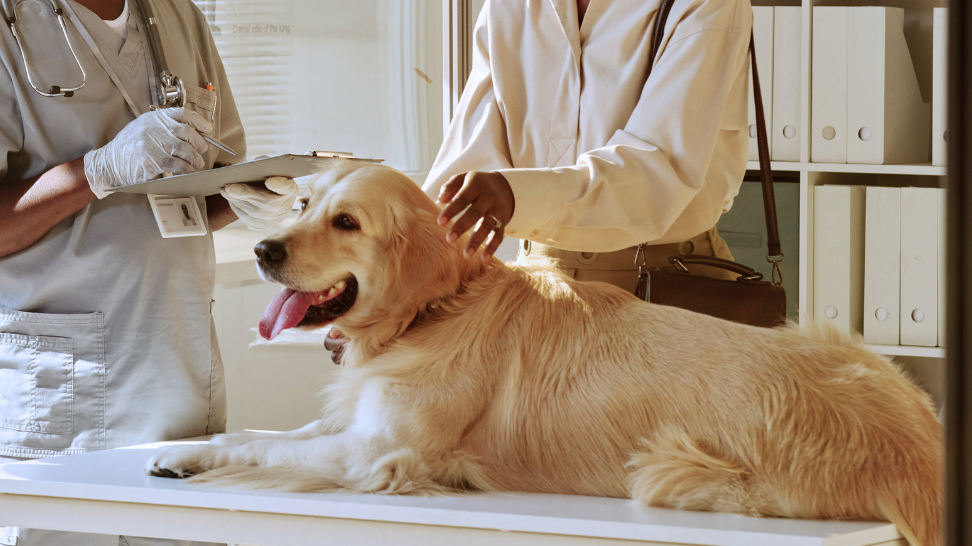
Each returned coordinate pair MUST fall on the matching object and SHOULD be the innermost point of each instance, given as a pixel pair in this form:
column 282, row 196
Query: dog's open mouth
column 292, row 308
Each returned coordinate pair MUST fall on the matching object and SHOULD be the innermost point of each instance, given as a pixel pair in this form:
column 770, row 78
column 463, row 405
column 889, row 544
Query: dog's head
column 366, row 250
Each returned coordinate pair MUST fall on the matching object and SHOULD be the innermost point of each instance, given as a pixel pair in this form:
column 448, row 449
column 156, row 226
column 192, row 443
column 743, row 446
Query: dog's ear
column 420, row 261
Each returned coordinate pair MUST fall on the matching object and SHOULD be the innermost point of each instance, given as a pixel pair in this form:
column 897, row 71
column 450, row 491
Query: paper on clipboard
column 210, row 182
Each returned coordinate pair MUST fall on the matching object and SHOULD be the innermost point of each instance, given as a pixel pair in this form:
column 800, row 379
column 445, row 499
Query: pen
column 219, row 145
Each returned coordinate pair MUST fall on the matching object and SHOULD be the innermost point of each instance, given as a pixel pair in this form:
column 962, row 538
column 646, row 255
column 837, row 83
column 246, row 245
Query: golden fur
column 465, row 375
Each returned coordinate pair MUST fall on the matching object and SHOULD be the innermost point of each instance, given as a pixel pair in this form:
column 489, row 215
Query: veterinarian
column 106, row 335
column 560, row 140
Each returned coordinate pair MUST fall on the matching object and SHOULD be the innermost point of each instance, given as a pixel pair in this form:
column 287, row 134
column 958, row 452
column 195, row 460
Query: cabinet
column 918, row 27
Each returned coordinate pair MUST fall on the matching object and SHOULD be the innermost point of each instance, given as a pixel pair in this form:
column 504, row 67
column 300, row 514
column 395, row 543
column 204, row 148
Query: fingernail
column 487, row 256
column 468, row 252
column 442, row 220
column 451, row 236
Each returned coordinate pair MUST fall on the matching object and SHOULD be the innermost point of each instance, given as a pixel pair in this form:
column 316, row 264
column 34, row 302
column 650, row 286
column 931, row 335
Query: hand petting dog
column 490, row 203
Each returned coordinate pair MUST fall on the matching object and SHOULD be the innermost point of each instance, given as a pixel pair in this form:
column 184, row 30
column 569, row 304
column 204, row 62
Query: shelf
column 926, row 169
column 781, row 166
column 908, row 350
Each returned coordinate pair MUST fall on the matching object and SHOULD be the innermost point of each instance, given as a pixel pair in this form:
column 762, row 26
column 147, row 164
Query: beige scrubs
column 106, row 335
column 599, row 159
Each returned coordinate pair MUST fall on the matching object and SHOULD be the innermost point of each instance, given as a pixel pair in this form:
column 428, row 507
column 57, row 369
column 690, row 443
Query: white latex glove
column 260, row 208
column 156, row 142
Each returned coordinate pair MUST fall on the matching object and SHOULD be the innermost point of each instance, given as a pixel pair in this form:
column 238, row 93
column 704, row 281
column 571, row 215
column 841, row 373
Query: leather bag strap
column 765, row 170
column 775, row 253
column 745, row 273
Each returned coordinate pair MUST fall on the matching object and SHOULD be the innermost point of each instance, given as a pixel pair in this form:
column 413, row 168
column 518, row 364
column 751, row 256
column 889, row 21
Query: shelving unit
column 921, row 169
column 908, row 350
column 918, row 33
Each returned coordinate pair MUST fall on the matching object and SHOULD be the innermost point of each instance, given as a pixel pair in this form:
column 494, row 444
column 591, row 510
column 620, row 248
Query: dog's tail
column 916, row 510
column 913, row 497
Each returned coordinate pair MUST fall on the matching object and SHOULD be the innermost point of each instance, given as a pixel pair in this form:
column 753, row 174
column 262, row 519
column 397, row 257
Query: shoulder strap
column 765, row 171
column 775, row 253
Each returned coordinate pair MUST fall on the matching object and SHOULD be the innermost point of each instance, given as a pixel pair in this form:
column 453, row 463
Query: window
column 361, row 77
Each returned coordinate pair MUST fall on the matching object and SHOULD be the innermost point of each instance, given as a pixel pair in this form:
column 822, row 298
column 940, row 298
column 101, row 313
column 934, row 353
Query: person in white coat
column 106, row 332
column 559, row 138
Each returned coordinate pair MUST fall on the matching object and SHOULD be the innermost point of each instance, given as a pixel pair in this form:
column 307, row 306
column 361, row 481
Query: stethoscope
column 169, row 91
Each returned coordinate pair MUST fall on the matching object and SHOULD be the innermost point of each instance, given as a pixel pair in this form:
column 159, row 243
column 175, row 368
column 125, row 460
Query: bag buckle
column 679, row 265
column 777, row 272
column 641, row 290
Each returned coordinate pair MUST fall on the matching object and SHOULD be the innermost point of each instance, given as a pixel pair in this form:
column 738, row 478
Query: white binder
column 919, row 266
column 763, row 39
column 786, row 135
column 882, row 262
column 942, row 266
column 828, row 98
column 887, row 120
column 939, row 86
column 838, row 256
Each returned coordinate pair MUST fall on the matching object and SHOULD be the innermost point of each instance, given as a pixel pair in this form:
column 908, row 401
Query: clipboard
column 209, row 182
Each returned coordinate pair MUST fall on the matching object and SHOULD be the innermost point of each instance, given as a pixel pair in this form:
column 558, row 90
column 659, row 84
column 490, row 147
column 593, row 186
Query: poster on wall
column 250, row 28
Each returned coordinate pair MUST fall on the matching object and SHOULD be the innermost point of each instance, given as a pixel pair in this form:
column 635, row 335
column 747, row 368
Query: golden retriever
column 463, row 375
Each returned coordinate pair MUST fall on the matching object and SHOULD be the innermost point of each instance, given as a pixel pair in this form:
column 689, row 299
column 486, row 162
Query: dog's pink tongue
column 285, row 311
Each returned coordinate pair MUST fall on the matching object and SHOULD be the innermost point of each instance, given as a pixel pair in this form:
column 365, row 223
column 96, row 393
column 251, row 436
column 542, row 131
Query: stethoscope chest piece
column 170, row 90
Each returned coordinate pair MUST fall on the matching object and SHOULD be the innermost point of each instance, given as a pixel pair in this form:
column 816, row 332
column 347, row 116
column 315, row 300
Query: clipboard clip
column 324, row 153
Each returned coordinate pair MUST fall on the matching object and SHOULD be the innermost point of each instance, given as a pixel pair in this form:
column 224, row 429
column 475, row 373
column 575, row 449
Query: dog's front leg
column 311, row 430
column 349, row 460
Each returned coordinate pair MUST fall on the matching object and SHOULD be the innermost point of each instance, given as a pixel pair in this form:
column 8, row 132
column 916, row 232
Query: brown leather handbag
column 748, row 299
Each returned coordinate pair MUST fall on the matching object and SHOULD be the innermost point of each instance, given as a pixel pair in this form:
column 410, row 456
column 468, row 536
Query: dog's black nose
column 270, row 252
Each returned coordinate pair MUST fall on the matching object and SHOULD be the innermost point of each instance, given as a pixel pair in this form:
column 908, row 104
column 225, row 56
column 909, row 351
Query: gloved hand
column 156, row 142
column 260, row 208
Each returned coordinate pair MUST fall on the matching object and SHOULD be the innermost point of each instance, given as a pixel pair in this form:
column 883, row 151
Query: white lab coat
column 598, row 158
column 106, row 335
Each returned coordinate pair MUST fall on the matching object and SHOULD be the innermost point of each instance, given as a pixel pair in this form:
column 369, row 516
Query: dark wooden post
column 958, row 404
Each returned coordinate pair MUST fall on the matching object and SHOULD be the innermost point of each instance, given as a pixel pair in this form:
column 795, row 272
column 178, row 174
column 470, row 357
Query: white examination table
column 107, row 492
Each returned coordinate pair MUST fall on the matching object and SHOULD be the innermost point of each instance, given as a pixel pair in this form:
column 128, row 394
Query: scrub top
column 599, row 156
column 106, row 333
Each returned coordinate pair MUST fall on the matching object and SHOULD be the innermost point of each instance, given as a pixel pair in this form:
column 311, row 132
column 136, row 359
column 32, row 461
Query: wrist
column 93, row 174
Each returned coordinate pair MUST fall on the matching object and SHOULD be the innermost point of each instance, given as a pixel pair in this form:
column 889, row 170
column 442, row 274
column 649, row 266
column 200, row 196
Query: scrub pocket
column 36, row 383
column 52, row 382
column 203, row 101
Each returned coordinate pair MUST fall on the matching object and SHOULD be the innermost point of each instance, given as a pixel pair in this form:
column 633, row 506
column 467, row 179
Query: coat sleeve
column 476, row 139
column 659, row 179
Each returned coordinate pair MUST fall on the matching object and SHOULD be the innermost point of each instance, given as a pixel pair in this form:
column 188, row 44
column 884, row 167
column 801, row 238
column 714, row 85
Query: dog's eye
column 303, row 204
column 345, row 222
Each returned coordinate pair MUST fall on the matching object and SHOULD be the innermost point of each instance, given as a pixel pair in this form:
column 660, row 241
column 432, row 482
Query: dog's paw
column 184, row 461
column 234, row 439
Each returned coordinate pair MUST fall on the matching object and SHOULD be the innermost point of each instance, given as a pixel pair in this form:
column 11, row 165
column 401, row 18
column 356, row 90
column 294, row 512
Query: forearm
column 30, row 208
column 219, row 211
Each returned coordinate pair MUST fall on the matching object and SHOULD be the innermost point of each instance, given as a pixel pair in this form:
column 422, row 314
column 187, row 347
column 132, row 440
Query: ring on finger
column 497, row 223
